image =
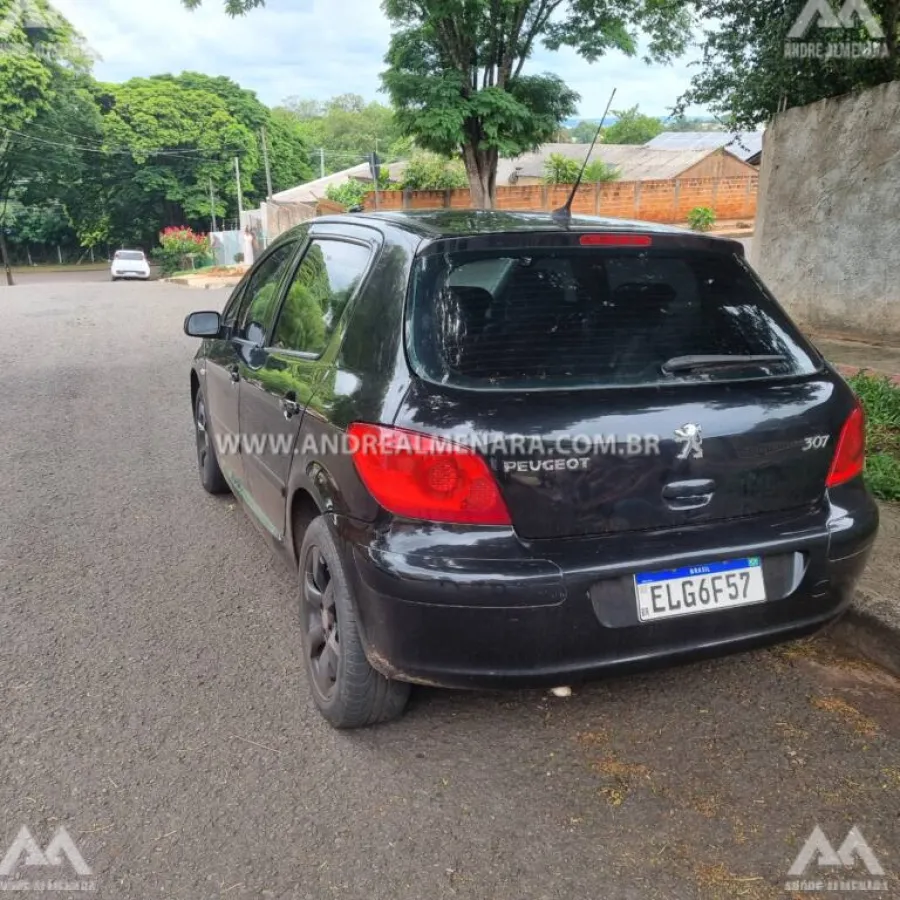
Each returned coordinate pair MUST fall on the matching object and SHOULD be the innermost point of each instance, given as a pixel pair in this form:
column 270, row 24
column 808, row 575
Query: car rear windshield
column 589, row 317
column 129, row 254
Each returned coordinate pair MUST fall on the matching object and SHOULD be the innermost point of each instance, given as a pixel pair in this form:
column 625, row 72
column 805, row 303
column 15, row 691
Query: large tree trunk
column 481, row 167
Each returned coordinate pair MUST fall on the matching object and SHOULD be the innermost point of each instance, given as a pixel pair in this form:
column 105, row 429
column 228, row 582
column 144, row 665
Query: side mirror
column 203, row 324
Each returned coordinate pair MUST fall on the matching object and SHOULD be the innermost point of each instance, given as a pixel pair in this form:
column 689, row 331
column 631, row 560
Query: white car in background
column 129, row 264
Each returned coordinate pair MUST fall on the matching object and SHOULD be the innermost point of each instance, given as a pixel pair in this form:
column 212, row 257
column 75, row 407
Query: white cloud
column 314, row 48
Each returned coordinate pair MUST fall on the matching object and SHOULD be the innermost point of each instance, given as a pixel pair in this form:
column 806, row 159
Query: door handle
column 235, row 374
column 289, row 405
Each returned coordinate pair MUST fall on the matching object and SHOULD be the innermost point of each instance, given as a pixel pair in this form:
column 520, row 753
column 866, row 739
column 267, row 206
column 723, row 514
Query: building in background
column 632, row 163
column 745, row 145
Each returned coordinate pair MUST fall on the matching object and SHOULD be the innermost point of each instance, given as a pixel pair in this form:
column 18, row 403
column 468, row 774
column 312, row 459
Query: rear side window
column 325, row 280
column 583, row 317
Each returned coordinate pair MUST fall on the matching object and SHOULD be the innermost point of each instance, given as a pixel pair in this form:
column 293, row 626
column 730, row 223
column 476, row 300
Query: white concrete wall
column 827, row 239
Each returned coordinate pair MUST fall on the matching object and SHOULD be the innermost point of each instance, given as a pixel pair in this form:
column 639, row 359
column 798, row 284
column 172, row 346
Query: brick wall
column 731, row 197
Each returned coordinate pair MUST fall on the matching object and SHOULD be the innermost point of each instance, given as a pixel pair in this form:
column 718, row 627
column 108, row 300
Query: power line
column 112, row 151
column 163, row 151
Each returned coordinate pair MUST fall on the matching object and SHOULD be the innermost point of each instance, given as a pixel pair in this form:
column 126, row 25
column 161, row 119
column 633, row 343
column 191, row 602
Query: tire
column 346, row 689
column 211, row 476
column 113, row 278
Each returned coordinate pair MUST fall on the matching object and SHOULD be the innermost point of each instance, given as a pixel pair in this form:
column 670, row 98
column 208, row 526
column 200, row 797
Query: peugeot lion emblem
column 690, row 436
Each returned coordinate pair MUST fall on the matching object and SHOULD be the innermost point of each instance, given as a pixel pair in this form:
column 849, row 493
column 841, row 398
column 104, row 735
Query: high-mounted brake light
column 421, row 477
column 616, row 240
column 850, row 455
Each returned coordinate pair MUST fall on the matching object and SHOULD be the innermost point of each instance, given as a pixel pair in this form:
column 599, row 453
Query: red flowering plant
column 181, row 247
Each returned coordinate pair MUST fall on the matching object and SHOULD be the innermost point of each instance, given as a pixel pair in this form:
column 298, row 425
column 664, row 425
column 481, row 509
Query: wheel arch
column 303, row 509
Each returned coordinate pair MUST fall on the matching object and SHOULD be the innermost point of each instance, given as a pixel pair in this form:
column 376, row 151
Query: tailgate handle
column 690, row 494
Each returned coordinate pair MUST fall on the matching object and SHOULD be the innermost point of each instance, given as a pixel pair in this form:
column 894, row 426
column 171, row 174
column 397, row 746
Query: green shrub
column 349, row 194
column 430, row 172
column 597, row 170
column 560, row 169
column 701, row 218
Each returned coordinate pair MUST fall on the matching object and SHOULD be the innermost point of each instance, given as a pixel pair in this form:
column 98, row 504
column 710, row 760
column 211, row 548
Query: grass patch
column 881, row 400
column 65, row 267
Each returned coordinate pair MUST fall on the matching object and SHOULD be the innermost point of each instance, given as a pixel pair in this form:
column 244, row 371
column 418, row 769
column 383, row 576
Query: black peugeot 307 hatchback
column 505, row 451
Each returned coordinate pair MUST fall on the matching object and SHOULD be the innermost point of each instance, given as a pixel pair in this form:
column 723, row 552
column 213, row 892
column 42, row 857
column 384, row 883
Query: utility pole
column 265, row 149
column 240, row 196
column 321, row 162
column 212, row 205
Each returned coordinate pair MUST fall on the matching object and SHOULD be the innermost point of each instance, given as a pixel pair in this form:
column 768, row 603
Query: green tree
column 347, row 127
column 631, row 127
column 560, row 169
column 289, row 153
column 746, row 76
column 430, row 172
column 584, row 131
column 167, row 143
column 288, row 150
column 455, row 68
column 38, row 57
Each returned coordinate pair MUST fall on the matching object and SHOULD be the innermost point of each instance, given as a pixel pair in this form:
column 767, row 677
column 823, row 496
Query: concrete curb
column 871, row 629
column 198, row 285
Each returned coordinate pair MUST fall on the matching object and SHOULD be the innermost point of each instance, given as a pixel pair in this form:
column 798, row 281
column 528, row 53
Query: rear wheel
column 347, row 690
column 211, row 476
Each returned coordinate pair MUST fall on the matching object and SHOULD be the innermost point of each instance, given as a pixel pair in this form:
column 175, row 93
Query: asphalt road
column 154, row 701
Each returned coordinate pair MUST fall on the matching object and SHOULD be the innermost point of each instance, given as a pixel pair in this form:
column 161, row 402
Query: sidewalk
column 872, row 626
column 851, row 356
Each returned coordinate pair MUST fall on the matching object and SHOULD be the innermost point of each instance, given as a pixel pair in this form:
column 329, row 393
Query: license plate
column 699, row 589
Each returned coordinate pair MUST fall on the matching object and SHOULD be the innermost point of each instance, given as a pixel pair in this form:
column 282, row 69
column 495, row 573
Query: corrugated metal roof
column 633, row 162
column 315, row 190
column 742, row 144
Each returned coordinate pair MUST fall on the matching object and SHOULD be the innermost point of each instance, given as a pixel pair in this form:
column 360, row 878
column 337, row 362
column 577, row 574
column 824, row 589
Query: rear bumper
column 476, row 608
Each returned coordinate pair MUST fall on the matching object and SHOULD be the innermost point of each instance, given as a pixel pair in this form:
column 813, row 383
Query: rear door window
column 325, row 280
column 586, row 317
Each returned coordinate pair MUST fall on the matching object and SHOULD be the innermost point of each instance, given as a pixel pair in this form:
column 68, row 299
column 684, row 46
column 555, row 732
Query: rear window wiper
column 696, row 363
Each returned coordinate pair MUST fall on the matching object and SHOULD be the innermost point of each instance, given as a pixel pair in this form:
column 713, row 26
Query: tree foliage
column 430, row 172
column 561, row 169
column 37, row 65
column 456, row 69
column 746, row 75
column 125, row 160
column 347, row 127
column 631, row 127
column 584, row 131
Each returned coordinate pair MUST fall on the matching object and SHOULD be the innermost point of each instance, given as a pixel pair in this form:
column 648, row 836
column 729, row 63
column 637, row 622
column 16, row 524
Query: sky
column 317, row 49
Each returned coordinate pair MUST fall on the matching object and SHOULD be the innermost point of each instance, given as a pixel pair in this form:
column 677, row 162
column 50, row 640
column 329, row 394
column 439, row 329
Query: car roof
column 458, row 222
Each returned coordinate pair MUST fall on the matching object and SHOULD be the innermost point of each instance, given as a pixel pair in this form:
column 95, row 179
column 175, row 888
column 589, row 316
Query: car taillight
column 850, row 455
column 421, row 477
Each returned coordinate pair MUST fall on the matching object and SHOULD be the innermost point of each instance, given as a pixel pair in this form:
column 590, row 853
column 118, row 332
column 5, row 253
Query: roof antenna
column 563, row 215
